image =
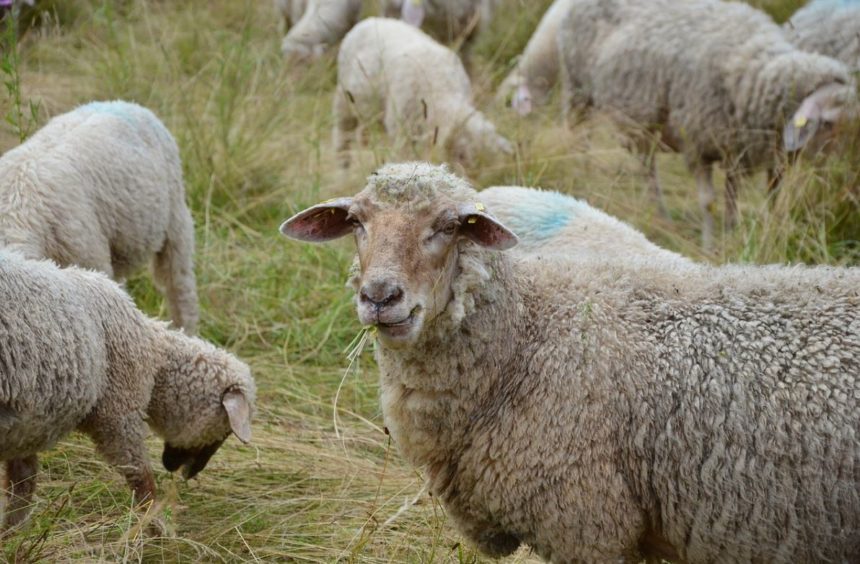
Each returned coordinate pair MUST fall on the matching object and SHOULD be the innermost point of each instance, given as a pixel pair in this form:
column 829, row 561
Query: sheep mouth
column 191, row 460
column 400, row 328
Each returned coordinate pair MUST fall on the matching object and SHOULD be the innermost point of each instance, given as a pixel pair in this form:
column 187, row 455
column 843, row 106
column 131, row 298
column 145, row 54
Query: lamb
column 716, row 81
column 389, row 70
column 323, row 23
column 549, row 223
column 828, row 27
column 600, row 411
column 537, row 70
column 75, row 353
column 101, row 187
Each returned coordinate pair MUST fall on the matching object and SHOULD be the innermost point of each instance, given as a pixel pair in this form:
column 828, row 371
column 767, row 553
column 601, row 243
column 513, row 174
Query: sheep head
column 817, row 114
column 202, row 395
column 409, row 223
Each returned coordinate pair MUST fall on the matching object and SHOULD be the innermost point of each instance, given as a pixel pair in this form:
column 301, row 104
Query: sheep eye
column 449, row 229
column 356, row 224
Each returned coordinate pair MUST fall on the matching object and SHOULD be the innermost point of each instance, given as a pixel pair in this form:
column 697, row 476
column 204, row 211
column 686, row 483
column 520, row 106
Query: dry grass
column 255, row 138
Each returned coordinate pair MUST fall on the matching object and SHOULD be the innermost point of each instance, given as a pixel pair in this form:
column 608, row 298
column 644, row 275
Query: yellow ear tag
column 479, row 206
column 472, row 220
column 800, row 121
column 332, row 211
column 416, row 2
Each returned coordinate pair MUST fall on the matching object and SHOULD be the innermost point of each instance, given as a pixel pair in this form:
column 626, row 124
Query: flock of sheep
column 560, row 381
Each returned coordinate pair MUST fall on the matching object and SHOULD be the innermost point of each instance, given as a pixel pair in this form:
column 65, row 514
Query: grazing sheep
column 447, row 21
column 828, row 27
column 391, row 71
column 549, row 223
column 101, row 187
column 716, row 81
column 323, row 23
column 537, row 70
column 75, row 353
column 600, row 411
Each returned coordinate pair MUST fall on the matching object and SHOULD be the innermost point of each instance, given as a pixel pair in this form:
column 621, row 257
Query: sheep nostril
column 380, row 295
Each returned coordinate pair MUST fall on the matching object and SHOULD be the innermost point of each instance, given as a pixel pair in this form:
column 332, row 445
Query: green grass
column 254, row 133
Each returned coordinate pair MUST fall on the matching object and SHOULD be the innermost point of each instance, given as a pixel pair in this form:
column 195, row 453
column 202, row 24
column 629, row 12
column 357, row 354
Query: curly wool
column 75, row 353
column 593, row 409
column 388, row 68
column 716, row 79
column 101, row 187
column 828, row 27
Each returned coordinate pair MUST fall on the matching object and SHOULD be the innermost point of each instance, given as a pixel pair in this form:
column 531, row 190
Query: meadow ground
column 319, row 482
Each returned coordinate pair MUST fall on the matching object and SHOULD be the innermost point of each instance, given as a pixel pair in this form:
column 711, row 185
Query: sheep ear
column 484, row 229
column 412, row 12
column 319, row 223
column 823, row 105
column 239, row 413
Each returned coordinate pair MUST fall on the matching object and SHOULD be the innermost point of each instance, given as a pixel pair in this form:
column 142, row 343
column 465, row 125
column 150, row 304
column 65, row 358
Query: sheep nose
column 381, row 293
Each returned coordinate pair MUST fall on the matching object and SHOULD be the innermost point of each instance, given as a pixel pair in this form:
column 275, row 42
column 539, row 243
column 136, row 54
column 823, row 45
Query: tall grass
column 254, row 133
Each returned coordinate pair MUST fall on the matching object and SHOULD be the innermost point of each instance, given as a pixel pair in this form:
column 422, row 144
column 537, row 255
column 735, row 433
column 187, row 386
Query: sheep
column 101, row 187
column 391, row 71
column 537, row 70
column 447, row 21
column 549, row 223
column 600, row 411
column 716, row 81
column 76, row 354
column 828, row 27
column 323, row 23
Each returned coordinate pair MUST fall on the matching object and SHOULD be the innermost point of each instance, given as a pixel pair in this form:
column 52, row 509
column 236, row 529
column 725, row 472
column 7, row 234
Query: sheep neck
column 435, row 392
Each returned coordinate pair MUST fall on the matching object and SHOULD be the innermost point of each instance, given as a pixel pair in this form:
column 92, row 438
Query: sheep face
column 812, row 124
column 408, row 231
column 201, row 398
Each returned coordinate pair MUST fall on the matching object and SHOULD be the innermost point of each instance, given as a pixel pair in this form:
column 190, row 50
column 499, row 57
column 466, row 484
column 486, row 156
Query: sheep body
column 548, row 223
column 419, row 88
column 716, row 81
column 600, row 411
column 75, row 353
column 323, row 23
column 291, row 12
column 537, row 70
column 828, row 27
column 101, row 187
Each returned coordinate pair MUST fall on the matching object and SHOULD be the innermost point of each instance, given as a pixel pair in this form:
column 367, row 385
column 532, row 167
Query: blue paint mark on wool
column 542, row 214
column 130, row 113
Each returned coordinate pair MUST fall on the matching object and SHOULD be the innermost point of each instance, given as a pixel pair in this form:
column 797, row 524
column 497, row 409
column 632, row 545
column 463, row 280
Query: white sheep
column 716, row 81
column 549, row 223
column 828, row 27
column 101, row 187
column 390, row 71
column 537, row 70
column 323, row 23
column 601, row 411
column 75, row 353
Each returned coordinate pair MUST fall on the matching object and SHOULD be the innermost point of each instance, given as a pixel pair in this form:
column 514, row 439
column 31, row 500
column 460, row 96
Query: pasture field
column 321, row 481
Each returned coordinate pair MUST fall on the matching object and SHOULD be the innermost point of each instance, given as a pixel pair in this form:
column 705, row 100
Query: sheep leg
column 649, row 160
column 774, row 178
column 20, row 484
column 120, row 441
column 345, row 125
column 732, row 182
column 173, row 269
column 705, row 185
